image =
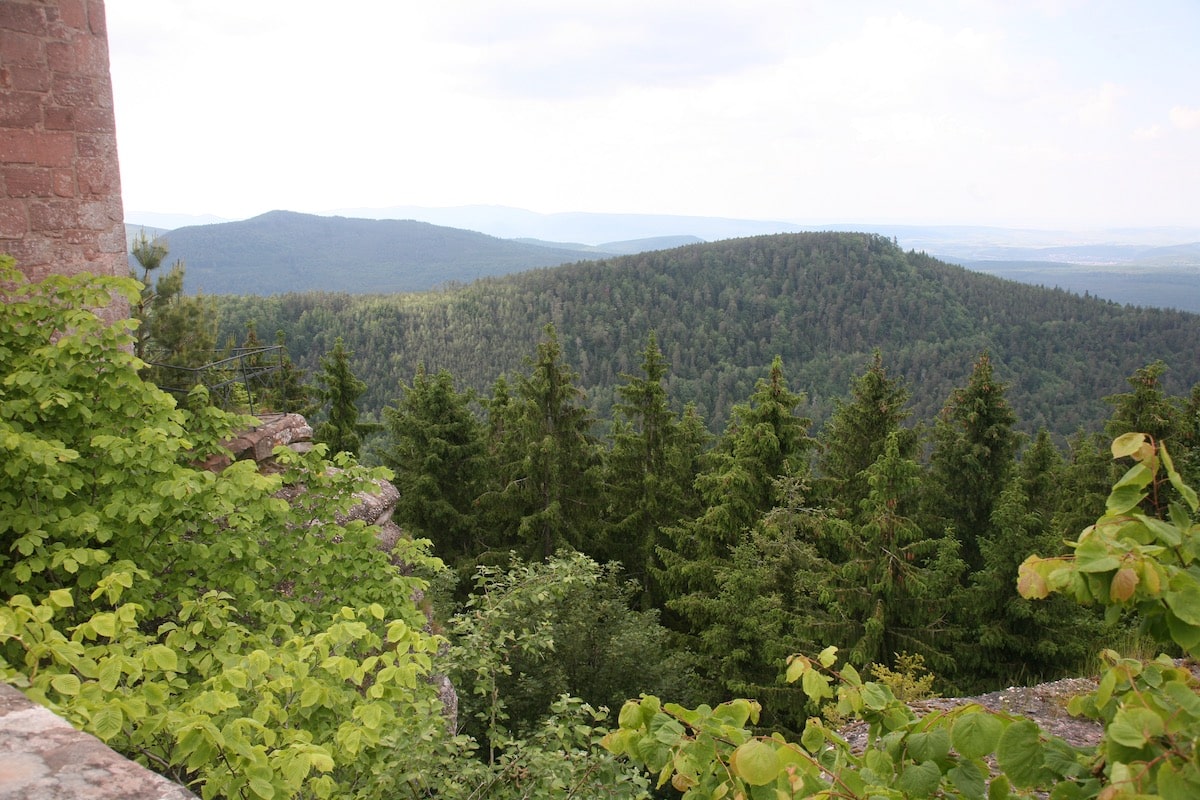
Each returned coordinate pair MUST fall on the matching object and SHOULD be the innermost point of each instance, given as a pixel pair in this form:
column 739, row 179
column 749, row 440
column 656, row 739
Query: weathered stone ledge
column 43, row 758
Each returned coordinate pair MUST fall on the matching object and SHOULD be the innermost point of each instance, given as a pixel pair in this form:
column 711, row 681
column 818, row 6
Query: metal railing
column 239, row 378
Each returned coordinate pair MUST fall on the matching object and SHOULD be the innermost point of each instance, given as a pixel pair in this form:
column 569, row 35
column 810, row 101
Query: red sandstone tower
column 60, row 183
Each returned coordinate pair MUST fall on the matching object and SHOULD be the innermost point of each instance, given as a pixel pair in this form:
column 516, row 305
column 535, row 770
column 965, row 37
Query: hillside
column 284, row 251
column 722, row 310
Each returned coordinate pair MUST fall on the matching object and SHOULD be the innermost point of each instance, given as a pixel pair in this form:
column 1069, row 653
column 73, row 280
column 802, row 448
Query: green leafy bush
column 245, row 646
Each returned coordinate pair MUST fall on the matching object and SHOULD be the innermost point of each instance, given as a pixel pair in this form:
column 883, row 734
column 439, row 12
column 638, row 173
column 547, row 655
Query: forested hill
column 823, row 301
column 284, row 251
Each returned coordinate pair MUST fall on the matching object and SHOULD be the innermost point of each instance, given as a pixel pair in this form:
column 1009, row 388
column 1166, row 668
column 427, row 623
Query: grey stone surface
column 43, row 758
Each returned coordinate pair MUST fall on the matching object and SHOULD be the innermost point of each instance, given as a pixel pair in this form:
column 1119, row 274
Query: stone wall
column 60, row 183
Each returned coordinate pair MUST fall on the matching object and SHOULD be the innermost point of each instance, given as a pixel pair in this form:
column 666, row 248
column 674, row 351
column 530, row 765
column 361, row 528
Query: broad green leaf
column 976, row 734
column 755, row 762
column 66, row 684
column 262, row 788
column 1183, row 596
column 1094, row 555
column 816, row 685
column 828, row 656
column 162, row 657
column 106, row 722
column 920, row 780
column 631, row 715
column 876, row 696
column 933, row 745
column 1127, row 444
column 1134, row 727
column 969, row 779
column 61, row 598
column 797, row 668
column 1019, row 753
column 1186, row 492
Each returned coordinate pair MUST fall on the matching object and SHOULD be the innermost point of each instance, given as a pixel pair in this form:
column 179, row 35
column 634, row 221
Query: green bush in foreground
column 1127, row 561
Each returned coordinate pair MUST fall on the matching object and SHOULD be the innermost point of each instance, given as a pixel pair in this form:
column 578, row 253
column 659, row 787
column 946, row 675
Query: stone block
column 23, row 17
column 28, row 79
column 21, row 110
column 21, row 49
column 13, row 222
column 26, row 181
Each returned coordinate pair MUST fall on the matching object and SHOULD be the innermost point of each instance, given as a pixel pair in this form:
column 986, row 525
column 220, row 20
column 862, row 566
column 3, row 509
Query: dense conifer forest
column 722, row 311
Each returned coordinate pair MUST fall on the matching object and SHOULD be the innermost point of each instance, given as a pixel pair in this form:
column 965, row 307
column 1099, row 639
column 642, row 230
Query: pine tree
column 974, row 447
column 339, row 390
column 436, row 450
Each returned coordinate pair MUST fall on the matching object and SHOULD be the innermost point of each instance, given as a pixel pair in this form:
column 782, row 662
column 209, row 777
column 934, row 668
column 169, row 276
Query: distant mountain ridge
column 376, row 252
column 283, row 251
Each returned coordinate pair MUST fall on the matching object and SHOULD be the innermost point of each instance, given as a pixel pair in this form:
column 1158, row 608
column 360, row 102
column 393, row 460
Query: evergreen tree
column 436, row 449
column 894, row 588
column 1145, row 409
column 765, row 442
column 339, row 390
column 1010, row 639
column 1086, row 480
column 1148, row 409
column 1040, row 472
column 650, row 471
column 855, row 435
column 289, row 393
column 546, row 495
column 974, row 447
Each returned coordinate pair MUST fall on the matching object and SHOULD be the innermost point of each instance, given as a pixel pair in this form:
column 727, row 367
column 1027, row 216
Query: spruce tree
column 1007, row 638
column 435, row 448
column 894, row 588
column 339, row 390
column 650, row 472
column 855, row 436
column 765, row 443
column 974, row 447
column 545, row 494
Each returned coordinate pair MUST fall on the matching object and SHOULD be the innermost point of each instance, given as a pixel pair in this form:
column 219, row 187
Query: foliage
column 194, row 621
column 173, row 330
column 1150, row 710
column 436, row 451
column 974, row 445
column 532, row 633
column 544, row 493
column 339, row 390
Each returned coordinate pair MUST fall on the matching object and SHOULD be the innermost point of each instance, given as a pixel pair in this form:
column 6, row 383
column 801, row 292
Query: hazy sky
column 1038, row 113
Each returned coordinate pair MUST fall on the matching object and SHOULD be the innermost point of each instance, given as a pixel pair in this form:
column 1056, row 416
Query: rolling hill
column 283, row 251
column 723, row 310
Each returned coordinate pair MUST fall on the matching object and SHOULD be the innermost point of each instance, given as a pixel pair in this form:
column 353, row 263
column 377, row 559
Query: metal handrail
column 248, row 367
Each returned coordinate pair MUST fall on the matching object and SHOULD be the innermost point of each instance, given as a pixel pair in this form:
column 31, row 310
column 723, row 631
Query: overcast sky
column 1035, row 113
